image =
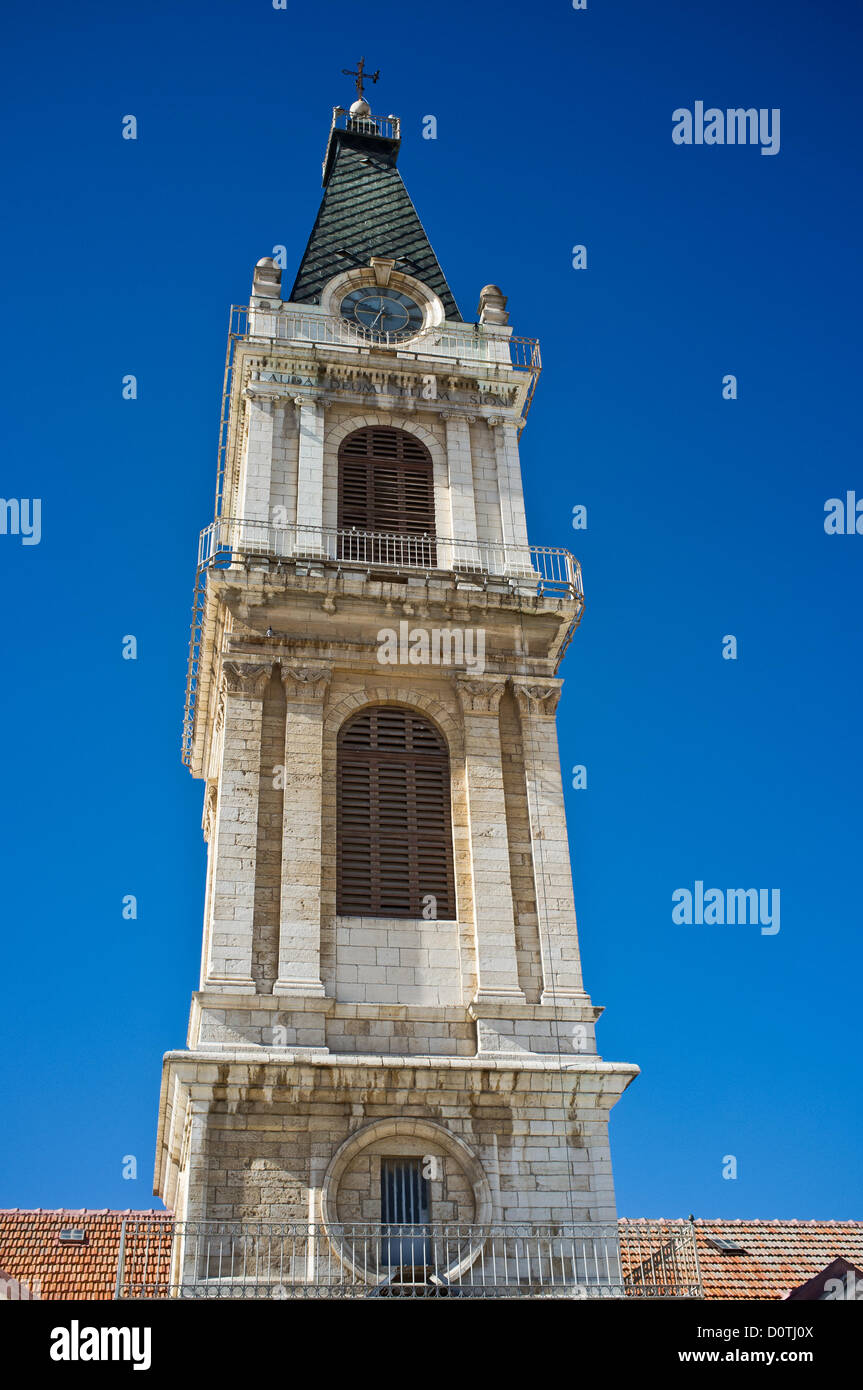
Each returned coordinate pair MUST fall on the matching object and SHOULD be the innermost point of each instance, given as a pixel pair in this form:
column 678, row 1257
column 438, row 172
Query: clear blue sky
column 705, row 517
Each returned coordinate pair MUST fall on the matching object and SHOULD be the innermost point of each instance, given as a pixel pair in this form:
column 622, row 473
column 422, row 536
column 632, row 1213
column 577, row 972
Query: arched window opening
column 386, row 498
column 394, row 849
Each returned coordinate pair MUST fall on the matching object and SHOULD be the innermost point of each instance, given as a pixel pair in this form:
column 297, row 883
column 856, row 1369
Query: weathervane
column 359, row 75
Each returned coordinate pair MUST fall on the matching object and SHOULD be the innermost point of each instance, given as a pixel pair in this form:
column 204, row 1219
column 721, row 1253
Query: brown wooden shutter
column 394, row 829
column 386, row 486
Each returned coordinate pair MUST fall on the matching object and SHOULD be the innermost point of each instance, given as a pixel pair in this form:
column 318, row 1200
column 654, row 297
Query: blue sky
column 705, row 518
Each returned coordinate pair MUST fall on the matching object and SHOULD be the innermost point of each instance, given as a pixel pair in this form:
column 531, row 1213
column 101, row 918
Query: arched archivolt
column 349, row 705
column 425, row 1133
column 384, row 419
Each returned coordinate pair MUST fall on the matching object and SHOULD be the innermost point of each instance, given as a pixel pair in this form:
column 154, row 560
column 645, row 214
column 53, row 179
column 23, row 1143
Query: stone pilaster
column 235, row 830
column 255, row 502
column 310, row 474
column 561, row 967
column 300, row 908
column 494, row 925
column 512, row 518
column 461, row 491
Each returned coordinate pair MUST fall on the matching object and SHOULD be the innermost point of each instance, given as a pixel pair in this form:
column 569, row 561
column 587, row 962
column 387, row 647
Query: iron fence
column 536, row 569
column 231, row 1260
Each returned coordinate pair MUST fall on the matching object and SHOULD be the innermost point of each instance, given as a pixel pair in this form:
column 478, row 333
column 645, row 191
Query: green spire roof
column 366, row 211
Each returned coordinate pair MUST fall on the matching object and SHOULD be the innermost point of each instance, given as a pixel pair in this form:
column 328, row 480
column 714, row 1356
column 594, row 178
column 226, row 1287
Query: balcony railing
column 534, row 569
column 307, row 1259
column 466, row 343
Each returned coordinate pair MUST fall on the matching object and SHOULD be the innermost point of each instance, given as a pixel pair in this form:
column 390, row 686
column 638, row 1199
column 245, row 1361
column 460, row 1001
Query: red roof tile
column 777, row 1256
column 31, row 1253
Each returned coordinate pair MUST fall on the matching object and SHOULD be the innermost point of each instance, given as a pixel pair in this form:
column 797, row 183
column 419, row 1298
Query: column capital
column 306, row 682
column 246, row 678
column 480, row 694
column 211, row 801
column 537, row 696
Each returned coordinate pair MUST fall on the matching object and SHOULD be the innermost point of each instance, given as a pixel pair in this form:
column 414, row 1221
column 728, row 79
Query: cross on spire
column 360, row 74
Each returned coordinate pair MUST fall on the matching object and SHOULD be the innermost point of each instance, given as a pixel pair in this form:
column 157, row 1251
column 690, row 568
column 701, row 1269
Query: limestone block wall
column 397, row 960
column 419, row 1031
column 509, row 1134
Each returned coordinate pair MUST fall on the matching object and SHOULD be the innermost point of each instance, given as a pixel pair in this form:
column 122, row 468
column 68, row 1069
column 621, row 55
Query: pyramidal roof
column 366, row 211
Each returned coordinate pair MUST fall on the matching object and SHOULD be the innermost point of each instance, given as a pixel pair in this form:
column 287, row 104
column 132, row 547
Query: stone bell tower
column 391, row 1023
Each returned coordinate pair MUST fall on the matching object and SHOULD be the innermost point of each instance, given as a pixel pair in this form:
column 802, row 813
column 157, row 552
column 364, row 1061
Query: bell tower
column 391, row 1025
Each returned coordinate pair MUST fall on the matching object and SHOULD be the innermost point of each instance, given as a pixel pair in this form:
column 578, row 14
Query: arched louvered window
column 386, row 495
column 394, row 830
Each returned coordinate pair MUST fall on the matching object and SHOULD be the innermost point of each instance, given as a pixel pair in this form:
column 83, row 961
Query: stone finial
column 267, row 281
column 492, row 305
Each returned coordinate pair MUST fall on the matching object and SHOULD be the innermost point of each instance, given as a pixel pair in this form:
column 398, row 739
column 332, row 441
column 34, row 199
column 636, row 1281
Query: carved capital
column 306, row 682
column 211, row 800
column 480, row 694
column 246, row 678
column 536, row 698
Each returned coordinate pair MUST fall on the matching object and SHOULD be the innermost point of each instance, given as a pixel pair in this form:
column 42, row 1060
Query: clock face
column 383, row 311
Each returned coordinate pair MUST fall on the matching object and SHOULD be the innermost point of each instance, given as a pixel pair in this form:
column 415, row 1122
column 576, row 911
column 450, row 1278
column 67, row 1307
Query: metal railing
column 536, row 569
column 388, row 127
column 210, row 1259
column 466, row 343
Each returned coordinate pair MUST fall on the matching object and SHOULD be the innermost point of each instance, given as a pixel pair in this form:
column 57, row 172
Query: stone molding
column 343, row 708
column 423, row 1132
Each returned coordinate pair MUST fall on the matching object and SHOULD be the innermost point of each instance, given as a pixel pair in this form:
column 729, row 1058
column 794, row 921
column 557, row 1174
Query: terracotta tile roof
column 777, row 1257
column 31, row 1252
